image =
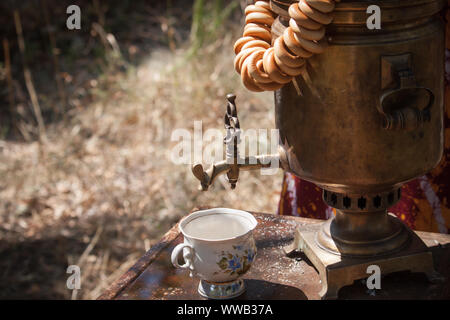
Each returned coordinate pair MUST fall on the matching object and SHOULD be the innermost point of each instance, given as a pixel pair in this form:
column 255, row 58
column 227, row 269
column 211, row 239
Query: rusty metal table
column 273, row 274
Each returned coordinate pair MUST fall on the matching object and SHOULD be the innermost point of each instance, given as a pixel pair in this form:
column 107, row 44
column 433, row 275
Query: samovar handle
column 408, row 106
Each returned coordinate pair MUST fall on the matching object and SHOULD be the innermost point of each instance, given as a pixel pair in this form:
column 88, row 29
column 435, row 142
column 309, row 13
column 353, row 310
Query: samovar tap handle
column 232, row 140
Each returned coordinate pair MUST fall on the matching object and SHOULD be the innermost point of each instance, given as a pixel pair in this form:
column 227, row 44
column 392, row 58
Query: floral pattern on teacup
column 238, row 262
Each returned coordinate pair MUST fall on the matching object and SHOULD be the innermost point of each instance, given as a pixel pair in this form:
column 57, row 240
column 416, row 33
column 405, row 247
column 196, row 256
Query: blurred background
column 86, row 118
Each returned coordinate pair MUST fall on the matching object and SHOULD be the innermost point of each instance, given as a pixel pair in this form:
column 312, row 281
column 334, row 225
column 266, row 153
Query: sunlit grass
column 107, row 168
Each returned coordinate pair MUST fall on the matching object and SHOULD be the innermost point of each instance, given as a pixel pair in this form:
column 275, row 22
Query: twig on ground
column 108, row 39
column 9, row 79
column 53, row 49
column 28, row 78
column 91, row 246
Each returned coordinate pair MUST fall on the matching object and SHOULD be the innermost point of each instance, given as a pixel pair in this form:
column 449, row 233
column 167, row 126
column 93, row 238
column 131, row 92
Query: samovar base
column 337, row 271
column 394, row 237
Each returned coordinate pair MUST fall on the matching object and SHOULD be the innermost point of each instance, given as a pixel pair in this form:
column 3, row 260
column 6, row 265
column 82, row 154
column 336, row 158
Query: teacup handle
column 176, row 252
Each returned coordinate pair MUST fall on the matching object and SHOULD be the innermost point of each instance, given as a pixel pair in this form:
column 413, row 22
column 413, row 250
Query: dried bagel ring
column 256, row 25
column 293, row 72
column 267, row 86
column 258, row 31
column 312, row 46
column 292, row 43
column 256, row 73
column 314, row 14
column 263, row 4
column 253, row 8
column 306, row 33
column 256, row 44
column 272, row 69
column 285, row 57
column 247, row 80
column 240, row 58
column 240, row 43
column 301, row 19
column 325, row 6
column 258, row 17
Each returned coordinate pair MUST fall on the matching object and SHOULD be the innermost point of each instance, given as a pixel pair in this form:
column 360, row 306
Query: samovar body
column 333, row 128
column 366, row 117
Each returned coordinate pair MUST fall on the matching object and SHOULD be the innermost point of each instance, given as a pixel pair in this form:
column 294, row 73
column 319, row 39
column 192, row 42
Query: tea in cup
column 218, row 248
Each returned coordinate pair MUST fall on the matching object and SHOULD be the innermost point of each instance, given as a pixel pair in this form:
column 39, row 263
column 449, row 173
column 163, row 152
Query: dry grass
column 101, row 190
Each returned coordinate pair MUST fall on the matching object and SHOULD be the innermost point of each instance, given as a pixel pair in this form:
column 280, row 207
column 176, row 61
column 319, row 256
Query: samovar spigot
column 233, row 162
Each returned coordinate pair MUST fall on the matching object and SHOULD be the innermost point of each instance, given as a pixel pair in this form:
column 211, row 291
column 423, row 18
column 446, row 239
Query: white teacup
column 218, row 248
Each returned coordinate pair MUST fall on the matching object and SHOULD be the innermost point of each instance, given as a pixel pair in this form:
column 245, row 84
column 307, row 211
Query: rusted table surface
column 274, row 275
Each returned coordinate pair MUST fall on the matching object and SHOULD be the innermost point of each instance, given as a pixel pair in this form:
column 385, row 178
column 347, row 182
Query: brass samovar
column 366, row 118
